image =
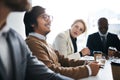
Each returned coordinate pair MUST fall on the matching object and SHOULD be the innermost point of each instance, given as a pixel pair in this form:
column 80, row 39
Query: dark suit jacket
column 94, row 42
column 25, row 66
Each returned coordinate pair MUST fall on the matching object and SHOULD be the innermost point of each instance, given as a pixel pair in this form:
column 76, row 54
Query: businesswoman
column 66, row 42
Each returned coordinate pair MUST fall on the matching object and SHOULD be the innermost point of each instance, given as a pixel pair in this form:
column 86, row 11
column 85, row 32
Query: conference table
column 104, row 73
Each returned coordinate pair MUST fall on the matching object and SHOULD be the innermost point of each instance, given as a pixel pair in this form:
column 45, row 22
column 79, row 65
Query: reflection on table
column 103, row 74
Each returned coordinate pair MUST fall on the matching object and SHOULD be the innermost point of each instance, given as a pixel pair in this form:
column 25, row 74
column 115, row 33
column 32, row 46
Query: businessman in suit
column 102, row 40
column 16, row 60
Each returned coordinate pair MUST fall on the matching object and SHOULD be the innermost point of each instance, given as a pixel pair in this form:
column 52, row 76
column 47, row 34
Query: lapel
column 71, row 45
column 107, row 41
column 15, row 52
column 2, row 71
column 99, row 40
column 70, row 42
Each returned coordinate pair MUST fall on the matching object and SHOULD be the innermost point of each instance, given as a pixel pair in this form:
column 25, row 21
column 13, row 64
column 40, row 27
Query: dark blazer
column 25, row 66
column 94, row 42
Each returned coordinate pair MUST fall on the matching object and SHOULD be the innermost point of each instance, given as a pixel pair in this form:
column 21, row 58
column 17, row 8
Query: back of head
column 16, row 5
column 30, row 18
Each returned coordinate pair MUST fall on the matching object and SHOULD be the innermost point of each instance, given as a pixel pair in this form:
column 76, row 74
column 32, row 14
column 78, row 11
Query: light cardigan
column 63, row 44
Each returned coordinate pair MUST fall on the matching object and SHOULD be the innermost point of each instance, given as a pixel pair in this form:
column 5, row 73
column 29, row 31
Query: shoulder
column 15, row 35
column 63, row 34
column 37, row 42
column 31, row 38
column 17, row 38
column 112, row 34
column 93, row 34
column 34, row 41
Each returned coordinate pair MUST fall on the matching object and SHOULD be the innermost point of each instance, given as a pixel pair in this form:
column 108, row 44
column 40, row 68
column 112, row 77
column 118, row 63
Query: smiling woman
column 66, row 11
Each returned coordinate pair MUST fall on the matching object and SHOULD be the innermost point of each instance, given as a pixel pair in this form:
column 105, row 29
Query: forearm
column 73, row 72
column 69, row 62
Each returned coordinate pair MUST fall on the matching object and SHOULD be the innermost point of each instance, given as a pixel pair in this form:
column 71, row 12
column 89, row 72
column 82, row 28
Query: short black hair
column 102, row 20
column 30, row 18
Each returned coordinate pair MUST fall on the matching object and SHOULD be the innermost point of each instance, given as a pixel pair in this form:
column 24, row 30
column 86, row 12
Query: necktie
column 103, row 41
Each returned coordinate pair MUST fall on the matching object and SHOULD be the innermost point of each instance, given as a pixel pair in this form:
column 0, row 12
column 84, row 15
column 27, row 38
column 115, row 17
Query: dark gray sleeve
column 89, row 44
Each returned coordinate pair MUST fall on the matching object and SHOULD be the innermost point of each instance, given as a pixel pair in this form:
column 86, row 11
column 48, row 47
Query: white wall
column 64, row 12
column 15, row 21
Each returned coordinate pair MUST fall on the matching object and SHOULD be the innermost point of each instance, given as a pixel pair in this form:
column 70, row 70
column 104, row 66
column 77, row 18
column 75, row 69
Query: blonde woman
column 66, row 42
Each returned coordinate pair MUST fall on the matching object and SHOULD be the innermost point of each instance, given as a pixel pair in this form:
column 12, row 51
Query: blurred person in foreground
column 66, row 42
column 16, row 60
column 102, row 40
column 37, row 25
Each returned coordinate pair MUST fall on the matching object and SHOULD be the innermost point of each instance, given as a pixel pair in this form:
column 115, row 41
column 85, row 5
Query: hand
column 85, row 51
column 94, row 68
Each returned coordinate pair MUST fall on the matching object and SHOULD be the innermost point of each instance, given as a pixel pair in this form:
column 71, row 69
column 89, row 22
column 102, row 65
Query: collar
column 4, row 30
column 37, row 35
column 103, row 34
column 75, row 39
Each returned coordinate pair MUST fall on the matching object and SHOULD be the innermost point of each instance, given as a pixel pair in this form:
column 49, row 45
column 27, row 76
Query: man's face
column 17, row 5
column 43, row 24
column 103, row 26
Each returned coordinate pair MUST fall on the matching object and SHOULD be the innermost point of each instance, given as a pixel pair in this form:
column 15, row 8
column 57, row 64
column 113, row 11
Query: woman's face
column 77, row 29
column 44, row 23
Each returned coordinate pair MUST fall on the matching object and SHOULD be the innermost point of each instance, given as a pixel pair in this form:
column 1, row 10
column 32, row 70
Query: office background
column 64, row 12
